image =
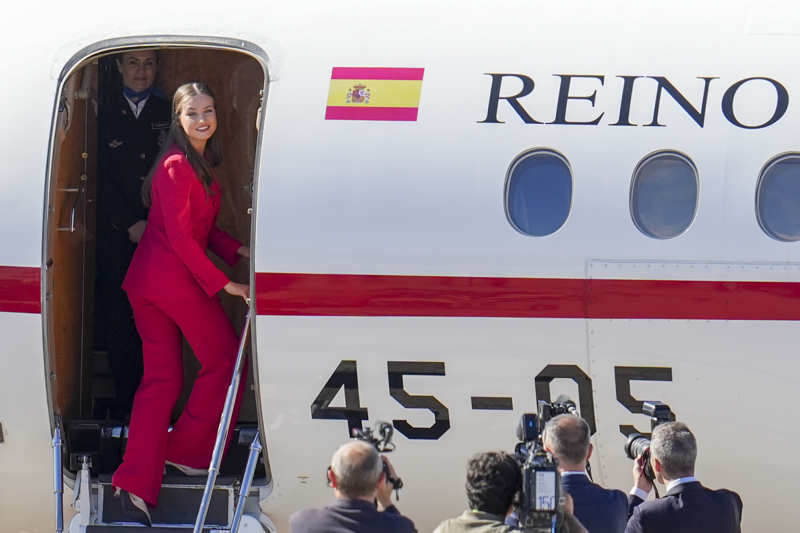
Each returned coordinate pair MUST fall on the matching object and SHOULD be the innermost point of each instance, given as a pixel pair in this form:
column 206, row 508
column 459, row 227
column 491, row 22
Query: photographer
column 493, row 481
column 688, row 506
column 357, row 476
column 600, row 510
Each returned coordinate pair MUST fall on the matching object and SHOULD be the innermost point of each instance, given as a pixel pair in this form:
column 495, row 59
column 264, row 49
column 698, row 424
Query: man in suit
column 688, row 506
column 358, row 479
column 133, row 122
column 599, row 510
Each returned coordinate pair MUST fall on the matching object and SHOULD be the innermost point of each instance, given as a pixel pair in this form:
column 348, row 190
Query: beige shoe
column 188, row 470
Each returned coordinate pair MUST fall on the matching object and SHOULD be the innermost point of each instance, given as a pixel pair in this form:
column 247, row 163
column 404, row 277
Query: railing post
column 58, row 478
column 222, row 431
column 247, row 480
column 85, row 492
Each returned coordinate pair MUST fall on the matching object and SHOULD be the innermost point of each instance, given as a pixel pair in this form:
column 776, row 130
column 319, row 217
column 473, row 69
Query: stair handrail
column 247, row 480
column 222, row 431
column 58, row 477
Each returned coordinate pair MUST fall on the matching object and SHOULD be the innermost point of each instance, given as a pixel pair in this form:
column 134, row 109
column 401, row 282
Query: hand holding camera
column 640, row 479
column 638, row 446
column 385, row 488
column 381, row 438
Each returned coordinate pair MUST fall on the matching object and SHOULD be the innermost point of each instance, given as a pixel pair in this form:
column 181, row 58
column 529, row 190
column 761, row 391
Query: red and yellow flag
column 374, row 93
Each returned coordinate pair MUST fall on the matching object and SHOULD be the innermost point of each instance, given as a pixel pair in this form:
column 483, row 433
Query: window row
column 663, row 194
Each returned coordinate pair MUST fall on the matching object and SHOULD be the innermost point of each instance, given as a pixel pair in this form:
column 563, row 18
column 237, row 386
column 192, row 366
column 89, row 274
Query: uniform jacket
column 171, row 259
column 475, row 522
column 480, row 522
column 688, row 508
column 350, row 516
column 128, row 148
column 599, row 510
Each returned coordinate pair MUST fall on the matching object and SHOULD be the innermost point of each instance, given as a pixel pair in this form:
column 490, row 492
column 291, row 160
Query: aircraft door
column 70, row 241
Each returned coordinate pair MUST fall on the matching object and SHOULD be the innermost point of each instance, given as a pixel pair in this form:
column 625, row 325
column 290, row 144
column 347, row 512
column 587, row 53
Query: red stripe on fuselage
column 445, row 296
column 450, row 296
column 20, row 289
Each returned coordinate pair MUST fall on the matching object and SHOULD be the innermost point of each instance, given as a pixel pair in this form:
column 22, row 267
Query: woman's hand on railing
column 238, row 289
column 244, row 251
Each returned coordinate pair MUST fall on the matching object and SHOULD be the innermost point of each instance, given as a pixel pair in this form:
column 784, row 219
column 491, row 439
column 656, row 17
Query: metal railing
column 222, row 432
column 58, row 478
column 247, row 480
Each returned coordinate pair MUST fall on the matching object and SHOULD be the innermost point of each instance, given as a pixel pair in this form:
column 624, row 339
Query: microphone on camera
column 565, row 400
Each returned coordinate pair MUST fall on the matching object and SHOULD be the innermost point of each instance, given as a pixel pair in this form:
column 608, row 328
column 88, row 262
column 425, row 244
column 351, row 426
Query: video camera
column 639, row 445
column 381, row 438
column 541, row 504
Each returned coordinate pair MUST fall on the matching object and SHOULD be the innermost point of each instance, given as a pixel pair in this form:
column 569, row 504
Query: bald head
column 358, row 468
column 568, row 438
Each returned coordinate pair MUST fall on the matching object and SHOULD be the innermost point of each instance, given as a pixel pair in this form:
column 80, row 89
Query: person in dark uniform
column 133, row 123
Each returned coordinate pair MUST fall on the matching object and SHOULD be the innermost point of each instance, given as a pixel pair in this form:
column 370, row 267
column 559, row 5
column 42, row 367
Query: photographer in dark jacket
column 133, row 122
column 688, row 506
column 567, row 437
column 358, row 479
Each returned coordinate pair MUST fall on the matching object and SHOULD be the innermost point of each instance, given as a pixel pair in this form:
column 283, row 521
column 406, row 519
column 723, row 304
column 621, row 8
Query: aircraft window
column 664, row 194
column 778, row 198
column 539, row 192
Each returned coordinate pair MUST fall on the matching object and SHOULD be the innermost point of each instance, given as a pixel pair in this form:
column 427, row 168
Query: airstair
column 224, row 501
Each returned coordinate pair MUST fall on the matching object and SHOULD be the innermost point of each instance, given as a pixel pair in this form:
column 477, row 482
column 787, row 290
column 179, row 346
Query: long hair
column 201, row 163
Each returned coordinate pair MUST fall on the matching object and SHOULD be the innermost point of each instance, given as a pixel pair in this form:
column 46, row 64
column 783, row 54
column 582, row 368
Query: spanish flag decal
column 374, row 93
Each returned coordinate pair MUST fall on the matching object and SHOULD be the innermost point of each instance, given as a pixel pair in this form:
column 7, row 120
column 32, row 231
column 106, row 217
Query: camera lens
column 637, row 444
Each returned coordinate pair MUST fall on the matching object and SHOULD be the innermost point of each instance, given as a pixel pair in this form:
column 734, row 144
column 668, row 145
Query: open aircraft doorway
column 83, row 397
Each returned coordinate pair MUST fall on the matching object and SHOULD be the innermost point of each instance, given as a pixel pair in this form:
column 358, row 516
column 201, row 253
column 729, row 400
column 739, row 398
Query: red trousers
column 191, row 442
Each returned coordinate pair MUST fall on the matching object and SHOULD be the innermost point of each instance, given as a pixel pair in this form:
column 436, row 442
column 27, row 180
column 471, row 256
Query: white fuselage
column 416, row 211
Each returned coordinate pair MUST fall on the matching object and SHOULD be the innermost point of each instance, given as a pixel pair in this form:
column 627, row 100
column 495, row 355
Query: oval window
column 778, row 198
column 664, row 195
column 539, row 192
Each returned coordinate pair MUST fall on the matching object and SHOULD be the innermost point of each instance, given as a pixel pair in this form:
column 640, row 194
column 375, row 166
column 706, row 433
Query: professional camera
column 562, row 406
column 639, row 445
column 541, row 505
column 381, row 438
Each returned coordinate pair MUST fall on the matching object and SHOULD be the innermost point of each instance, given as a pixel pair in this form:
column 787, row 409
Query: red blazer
column 170, row 260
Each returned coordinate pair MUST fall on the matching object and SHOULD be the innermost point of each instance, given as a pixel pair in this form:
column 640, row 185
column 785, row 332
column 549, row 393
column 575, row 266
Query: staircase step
column 100, row 440
column 178, row 501
column 154, row 529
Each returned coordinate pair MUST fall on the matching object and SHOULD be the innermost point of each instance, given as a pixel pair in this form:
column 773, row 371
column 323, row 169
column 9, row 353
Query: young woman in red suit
column 172, row 286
